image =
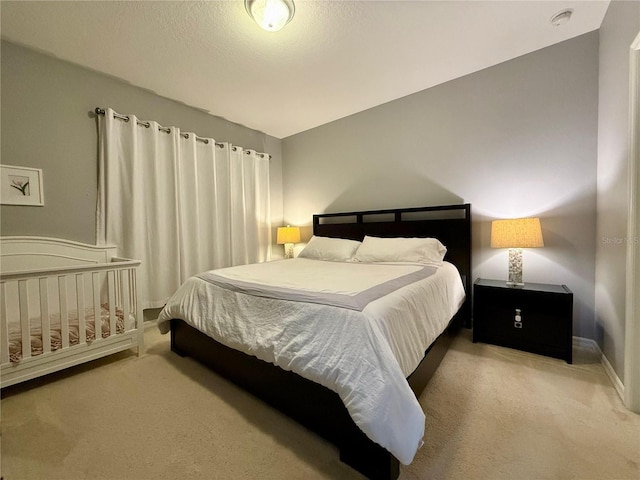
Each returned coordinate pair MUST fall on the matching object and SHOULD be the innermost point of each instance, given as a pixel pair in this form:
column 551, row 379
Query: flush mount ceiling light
column 271, row 15
column 561, row 17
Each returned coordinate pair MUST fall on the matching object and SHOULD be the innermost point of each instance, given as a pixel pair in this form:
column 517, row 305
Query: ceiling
column 334, row 59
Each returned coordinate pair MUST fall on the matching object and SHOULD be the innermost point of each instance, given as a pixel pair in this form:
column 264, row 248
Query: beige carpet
column 492, row 413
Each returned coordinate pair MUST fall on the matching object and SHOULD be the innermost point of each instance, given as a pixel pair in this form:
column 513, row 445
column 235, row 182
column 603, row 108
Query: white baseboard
column 591, row 345
column 149, row 324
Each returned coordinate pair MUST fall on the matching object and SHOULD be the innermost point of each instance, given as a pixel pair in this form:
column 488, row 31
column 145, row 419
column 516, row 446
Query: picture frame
column 21, row 186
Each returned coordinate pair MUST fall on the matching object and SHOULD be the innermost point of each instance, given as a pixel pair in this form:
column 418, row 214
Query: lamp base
column 515, row 267
column 288, row 250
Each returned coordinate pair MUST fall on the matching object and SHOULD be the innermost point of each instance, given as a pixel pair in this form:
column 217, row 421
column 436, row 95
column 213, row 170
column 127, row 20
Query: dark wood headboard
column 451, row 224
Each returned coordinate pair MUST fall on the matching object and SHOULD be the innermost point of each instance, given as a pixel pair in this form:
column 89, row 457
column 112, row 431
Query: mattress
column 363, row 351
column 15, row 333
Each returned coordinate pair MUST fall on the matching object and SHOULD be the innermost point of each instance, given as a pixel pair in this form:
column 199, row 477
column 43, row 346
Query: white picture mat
column 14, row 189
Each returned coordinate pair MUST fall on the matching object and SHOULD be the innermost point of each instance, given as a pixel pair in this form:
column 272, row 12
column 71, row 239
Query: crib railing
column 26, row 296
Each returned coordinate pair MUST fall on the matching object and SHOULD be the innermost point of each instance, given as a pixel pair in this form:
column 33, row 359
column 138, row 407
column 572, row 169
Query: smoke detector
column 561, row 17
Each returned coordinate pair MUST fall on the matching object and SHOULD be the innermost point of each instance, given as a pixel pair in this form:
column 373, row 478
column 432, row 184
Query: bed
column 63, row 303
column 333, row 408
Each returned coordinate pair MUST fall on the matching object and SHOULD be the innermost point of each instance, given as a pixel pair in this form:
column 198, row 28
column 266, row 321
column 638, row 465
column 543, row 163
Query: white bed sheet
column 363, row 356
column 412, row 317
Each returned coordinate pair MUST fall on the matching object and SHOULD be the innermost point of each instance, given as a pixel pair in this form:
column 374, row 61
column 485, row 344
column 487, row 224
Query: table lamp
column 516, row 234
column 287, row 236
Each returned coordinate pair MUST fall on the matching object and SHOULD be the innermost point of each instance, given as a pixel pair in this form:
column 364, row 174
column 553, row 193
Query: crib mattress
column 15, row 333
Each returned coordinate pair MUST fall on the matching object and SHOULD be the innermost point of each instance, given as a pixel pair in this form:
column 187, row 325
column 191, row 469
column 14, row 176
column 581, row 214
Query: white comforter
column 364, row 356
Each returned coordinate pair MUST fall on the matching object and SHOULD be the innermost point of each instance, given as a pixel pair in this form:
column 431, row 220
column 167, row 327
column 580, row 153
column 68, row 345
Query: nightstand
column 536, row 318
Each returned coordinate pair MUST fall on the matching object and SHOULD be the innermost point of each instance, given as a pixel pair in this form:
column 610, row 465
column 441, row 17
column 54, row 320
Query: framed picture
column 21, row 186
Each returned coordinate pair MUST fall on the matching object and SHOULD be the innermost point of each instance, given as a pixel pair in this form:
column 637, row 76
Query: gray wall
column 47, row 123
column 517, row 139
column 620, row 27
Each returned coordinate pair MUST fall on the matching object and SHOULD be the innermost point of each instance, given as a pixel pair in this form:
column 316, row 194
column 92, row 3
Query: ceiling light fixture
column 561, row 17
column 271, row 15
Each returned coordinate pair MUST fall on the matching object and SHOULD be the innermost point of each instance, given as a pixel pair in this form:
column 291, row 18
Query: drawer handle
column 517, row 320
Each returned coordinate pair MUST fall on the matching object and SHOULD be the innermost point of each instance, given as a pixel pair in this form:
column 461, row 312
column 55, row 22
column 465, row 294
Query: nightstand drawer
column 536, row 318
column 535, row 331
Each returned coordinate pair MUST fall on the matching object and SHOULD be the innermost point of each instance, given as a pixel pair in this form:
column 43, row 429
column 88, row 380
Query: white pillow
column 428, row 251
column 332, row 249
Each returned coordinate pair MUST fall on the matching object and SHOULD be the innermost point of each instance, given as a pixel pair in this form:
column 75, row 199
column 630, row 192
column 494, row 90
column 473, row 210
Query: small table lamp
column 287, row 236
column 516, row 234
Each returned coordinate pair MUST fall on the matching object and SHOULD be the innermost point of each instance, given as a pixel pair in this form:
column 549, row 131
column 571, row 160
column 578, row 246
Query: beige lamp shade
column 516, row 233
column 288, row 234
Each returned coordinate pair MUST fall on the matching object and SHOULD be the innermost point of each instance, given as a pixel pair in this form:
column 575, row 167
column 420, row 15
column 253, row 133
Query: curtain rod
column 102, row 111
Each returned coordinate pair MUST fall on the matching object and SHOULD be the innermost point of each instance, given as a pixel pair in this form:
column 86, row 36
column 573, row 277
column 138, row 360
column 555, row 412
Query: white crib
column 63, row 303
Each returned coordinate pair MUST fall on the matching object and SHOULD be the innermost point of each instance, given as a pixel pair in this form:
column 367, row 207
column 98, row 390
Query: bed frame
column 43, row 278
column 311, row 404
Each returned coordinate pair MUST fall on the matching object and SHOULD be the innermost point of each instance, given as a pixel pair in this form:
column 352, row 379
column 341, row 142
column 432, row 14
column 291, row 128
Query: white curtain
column 180, row 205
